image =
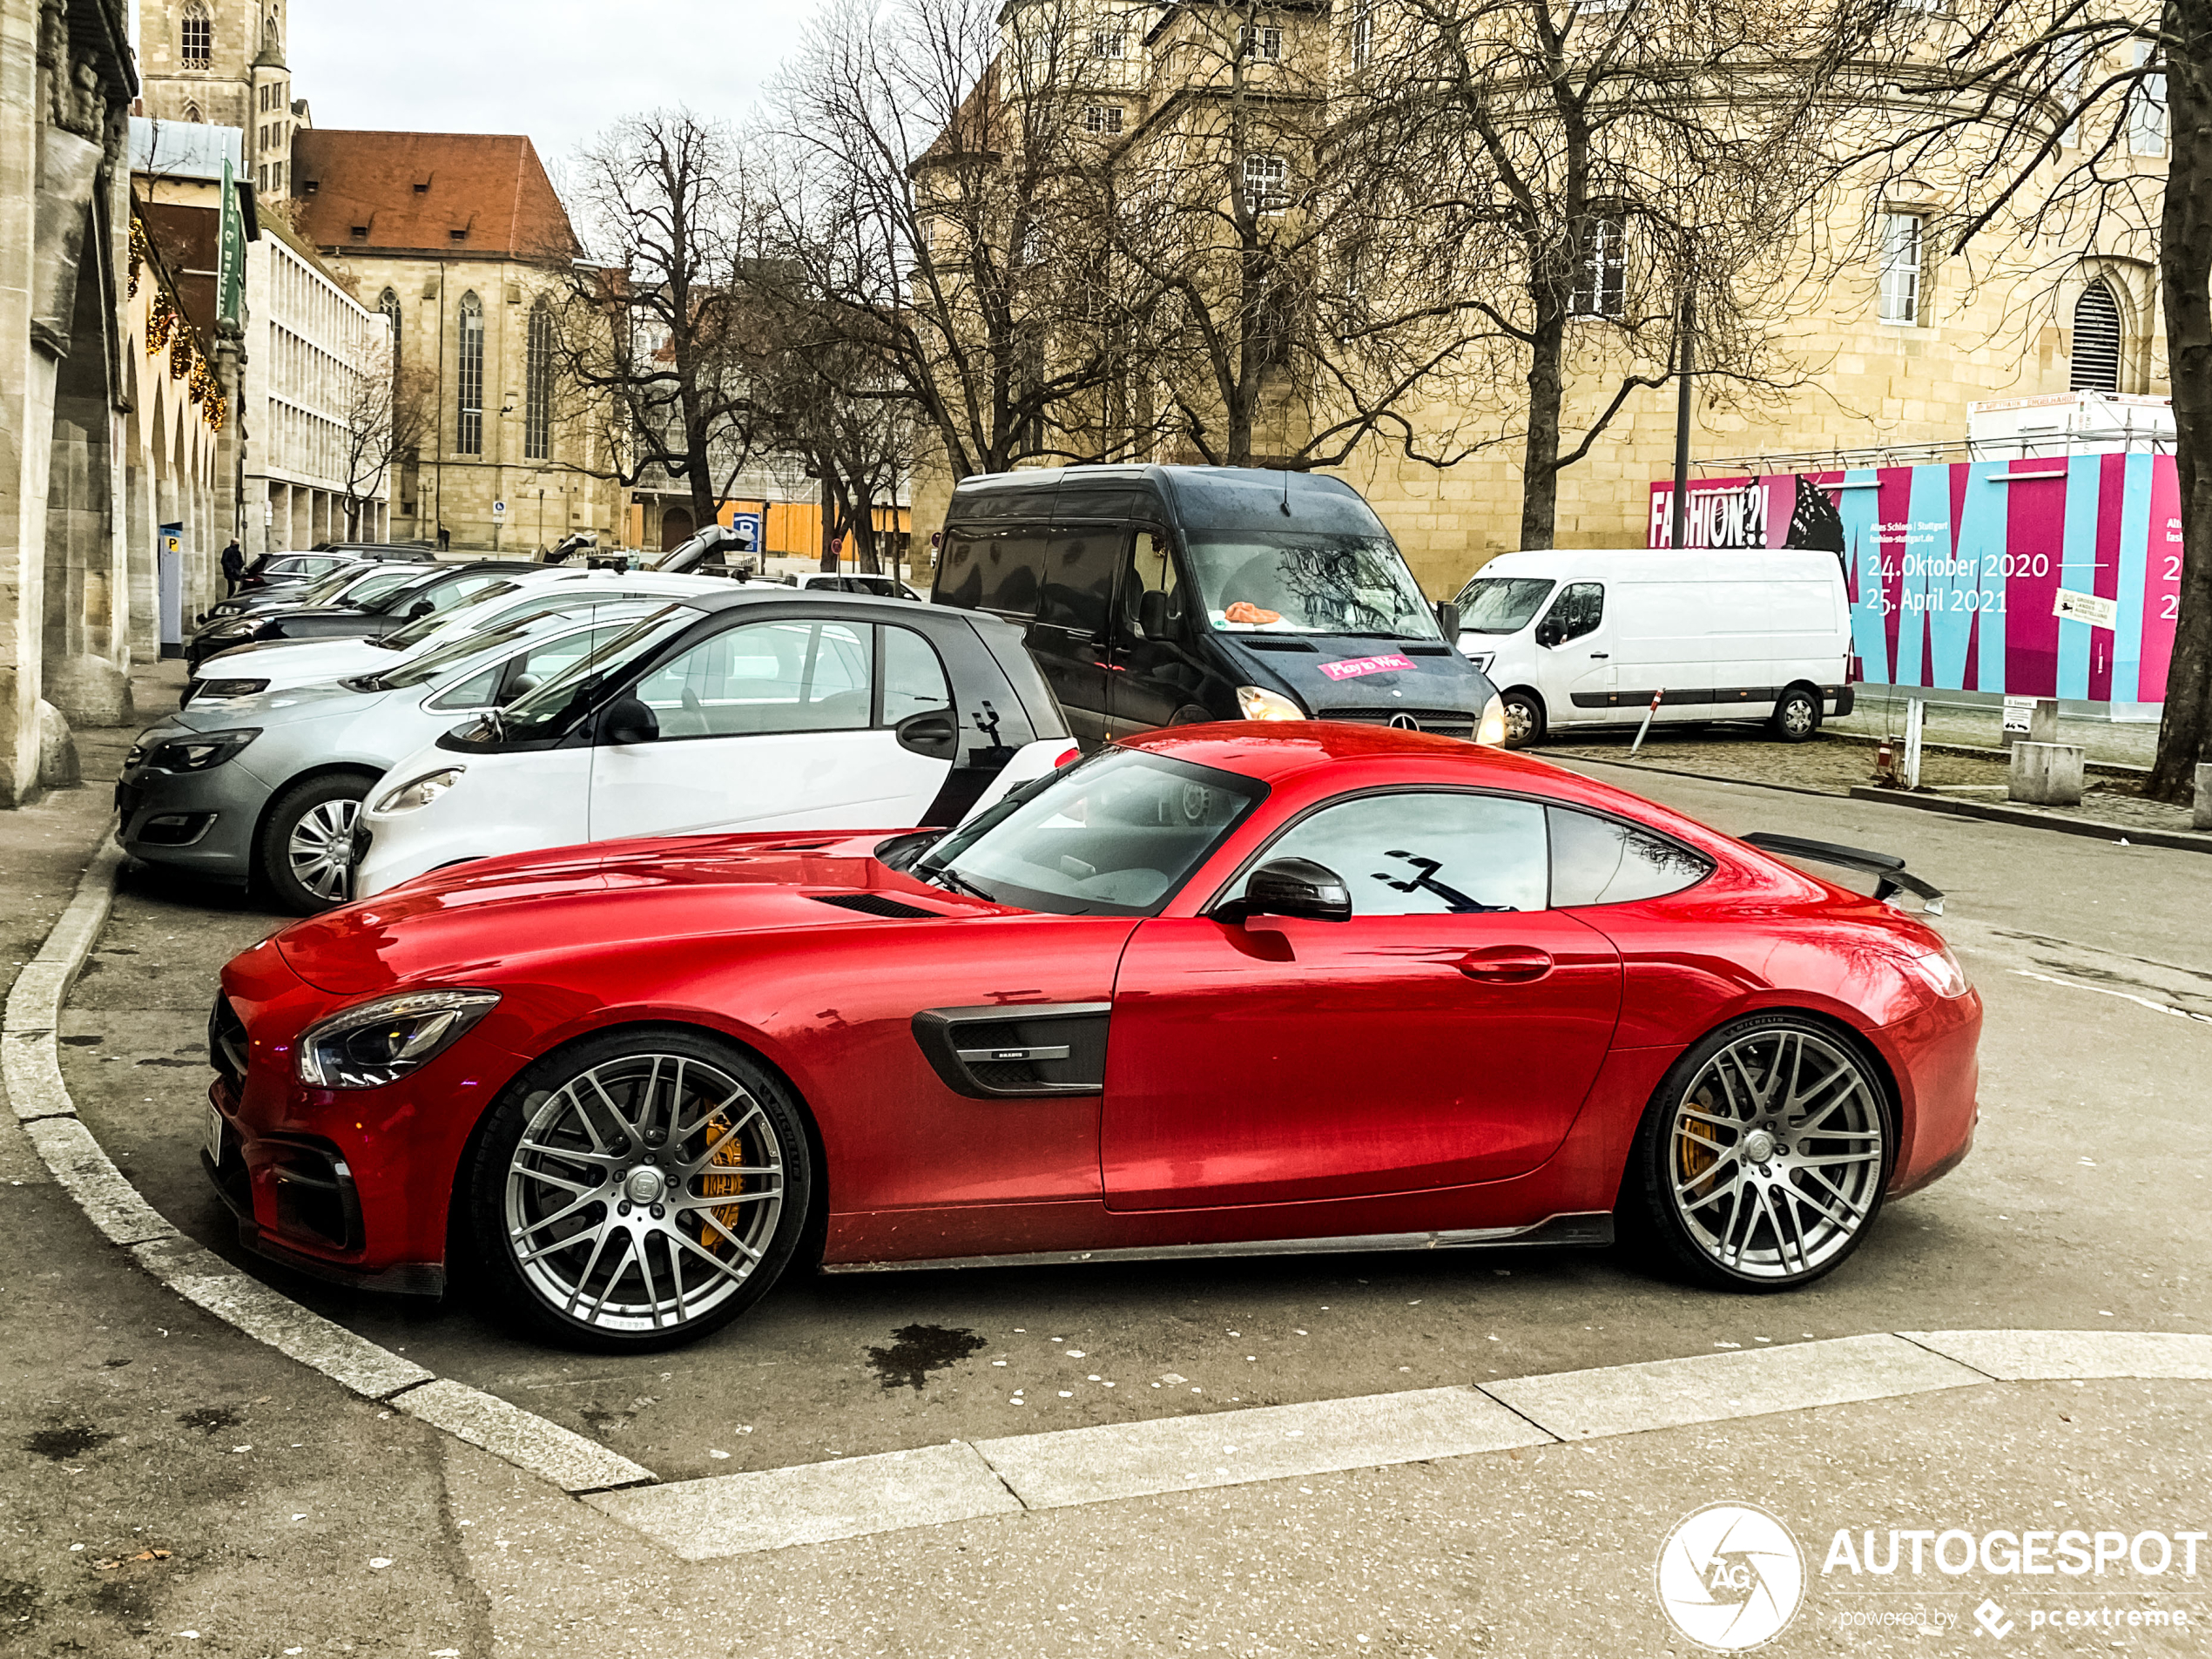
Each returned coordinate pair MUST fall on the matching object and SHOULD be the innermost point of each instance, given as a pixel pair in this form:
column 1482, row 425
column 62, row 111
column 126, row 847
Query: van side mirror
column 420, row 608
column 1291, row 887
column 627, row 720
column 1550, row 631
column 1447, row 619
column 1152, row 613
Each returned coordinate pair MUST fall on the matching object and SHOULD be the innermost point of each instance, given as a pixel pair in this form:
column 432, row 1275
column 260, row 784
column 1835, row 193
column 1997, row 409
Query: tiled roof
column 448, row 193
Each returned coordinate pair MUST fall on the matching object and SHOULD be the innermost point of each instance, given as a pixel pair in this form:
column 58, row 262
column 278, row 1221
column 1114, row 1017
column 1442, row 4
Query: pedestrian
column 234, row 567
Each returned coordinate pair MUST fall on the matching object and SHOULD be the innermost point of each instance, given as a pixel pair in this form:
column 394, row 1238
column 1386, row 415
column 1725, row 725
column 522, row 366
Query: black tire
column 1797, row 715
column 1677, row 1195
column 1524, row 718
column 310, row 815
column 544, row 1215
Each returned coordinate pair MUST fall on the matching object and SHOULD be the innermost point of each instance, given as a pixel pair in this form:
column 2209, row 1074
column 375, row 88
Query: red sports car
column 1219, row 990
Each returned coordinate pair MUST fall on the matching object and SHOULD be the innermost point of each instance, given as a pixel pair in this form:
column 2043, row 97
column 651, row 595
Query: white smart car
column 749, row 708
column 251, row 671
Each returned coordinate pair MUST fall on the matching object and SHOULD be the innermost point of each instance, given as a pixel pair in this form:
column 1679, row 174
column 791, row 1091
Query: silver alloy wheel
column 1520, row 721
column 1775, row 1154
column 321, row 847
column 1797, row 713
column 644, row 1193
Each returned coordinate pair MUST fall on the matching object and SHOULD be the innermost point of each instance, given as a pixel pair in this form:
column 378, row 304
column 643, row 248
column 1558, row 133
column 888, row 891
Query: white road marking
column 2124, row 996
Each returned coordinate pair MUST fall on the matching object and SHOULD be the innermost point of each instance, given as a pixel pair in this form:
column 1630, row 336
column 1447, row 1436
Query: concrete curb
column 2093, row 829
column 31, row 1068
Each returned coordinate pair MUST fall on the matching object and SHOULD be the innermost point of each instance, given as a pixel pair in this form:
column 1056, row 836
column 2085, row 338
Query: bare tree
column 2088, row 123
column 383, row 420
column 653, row 333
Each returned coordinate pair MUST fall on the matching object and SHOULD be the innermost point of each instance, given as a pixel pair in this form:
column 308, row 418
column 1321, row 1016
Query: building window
column 2147, row 109
column 196, row 36
column 193, row 115
column 537, row 390
column 469, row 438
column 2096, row 340
column 1363, row 32
column 1264, row 42
column 1264, row 178
column 1601, row 281
column 1103, row 120
column 389, row 303
column 1902, row 234
column 1108, row 43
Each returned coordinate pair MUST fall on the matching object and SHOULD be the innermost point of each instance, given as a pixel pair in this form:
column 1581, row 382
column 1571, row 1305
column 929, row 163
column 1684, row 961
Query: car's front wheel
column 306, row 844
column 640, row 1189
column 1763, row 1159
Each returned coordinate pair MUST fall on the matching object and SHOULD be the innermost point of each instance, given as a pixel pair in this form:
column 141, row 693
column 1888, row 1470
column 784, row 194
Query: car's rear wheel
column 1796, row 716
column 640, row 1189
column 307, row 843
column 1765, row 1153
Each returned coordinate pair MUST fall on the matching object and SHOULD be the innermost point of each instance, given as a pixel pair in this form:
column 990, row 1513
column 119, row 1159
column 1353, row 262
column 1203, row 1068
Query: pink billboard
column 2048, row 577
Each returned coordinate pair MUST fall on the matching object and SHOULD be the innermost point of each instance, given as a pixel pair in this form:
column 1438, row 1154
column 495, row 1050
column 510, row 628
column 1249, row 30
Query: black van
column 1160, row 596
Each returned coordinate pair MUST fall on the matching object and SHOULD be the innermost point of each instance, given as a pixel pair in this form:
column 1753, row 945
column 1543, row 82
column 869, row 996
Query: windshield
column 1283, row 581
column 446, row 614
column 1501, row 604
column 365, row 585
column 553, row 707
column 437, row 660
column 1115, row 836
column 329, row 588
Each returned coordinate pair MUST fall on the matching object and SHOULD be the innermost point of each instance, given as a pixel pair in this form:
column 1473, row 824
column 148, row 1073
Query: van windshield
column 1283, row 581
column 1501, row 604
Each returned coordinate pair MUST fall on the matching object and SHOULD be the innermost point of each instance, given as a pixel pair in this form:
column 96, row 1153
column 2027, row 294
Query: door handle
column 1600, row 655
column 1506, row 964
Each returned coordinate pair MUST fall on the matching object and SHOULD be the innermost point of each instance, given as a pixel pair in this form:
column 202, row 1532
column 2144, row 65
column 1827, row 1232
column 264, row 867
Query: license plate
column 215, row 1136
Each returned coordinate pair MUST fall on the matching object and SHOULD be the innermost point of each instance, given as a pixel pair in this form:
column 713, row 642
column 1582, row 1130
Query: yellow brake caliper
column 731, row 1153
column 1697, row 1149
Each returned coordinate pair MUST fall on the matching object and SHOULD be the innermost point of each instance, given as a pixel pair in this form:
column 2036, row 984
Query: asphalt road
column 2084, row 1204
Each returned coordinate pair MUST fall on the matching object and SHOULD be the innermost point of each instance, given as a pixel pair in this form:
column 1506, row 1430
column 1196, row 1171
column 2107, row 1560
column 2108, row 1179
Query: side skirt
column 1588, row 1229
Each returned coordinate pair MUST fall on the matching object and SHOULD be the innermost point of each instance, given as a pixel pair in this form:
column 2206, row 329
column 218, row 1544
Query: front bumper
column 201, row 822
column 352, row 1185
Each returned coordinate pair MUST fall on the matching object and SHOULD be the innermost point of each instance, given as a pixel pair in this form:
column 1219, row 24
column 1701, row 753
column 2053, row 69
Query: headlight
column 1254, row 703
column 421, row 792
column 1940, row 971
column 202, row 750
column 1493, row 729
column 231, row 688
column 378, row 1043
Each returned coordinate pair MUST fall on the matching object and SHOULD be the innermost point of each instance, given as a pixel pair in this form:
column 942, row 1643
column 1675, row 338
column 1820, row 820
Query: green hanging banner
column 230, row 285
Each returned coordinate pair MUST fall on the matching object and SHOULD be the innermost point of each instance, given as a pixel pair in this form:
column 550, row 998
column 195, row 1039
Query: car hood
column 482, row 921
column 1342, row 671
column 314, row 702
column 298, row 660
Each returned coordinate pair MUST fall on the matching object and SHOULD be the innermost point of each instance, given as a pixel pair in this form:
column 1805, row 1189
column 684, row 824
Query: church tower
column 222, row 62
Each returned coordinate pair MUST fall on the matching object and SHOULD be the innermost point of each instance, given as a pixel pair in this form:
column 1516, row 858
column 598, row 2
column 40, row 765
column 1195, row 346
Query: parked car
column 268, row 787
column 269, row 571
column 349, row 584
column 508, row 598
column 434, row 588
column 749, row 708
column 1213, row 992
column 883, row 586
column 1588, row 638
column 1160, row 596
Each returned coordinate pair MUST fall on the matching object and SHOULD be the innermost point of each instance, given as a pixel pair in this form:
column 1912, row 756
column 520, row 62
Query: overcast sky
column 557, row 70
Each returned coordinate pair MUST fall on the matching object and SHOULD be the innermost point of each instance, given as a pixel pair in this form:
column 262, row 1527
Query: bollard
column 2043, row 721
column 2047, row 774
column 2201, row 818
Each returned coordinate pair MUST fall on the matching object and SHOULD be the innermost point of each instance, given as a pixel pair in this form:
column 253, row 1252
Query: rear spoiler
column 1890, row 868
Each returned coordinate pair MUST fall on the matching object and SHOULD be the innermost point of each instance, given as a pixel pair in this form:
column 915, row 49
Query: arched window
column 193, row 115
column 197, row 35
column 537, row 387
column 469, row 439
column 2096, row 339
column 389, row 303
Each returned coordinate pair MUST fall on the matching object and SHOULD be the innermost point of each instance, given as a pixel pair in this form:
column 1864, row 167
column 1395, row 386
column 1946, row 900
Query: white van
column 1586, row 637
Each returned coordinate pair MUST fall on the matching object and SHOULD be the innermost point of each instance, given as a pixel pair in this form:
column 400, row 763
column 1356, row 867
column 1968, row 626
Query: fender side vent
column 874, row 904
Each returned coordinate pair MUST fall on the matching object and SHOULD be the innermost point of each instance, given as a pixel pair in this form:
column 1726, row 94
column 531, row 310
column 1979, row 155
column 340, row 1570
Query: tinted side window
column 1012, row 563
column 914, row 680
column 1151, row 570
column 1409, row 853
column 1578, row 610
column 1601, row 860
column 1079, row 579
